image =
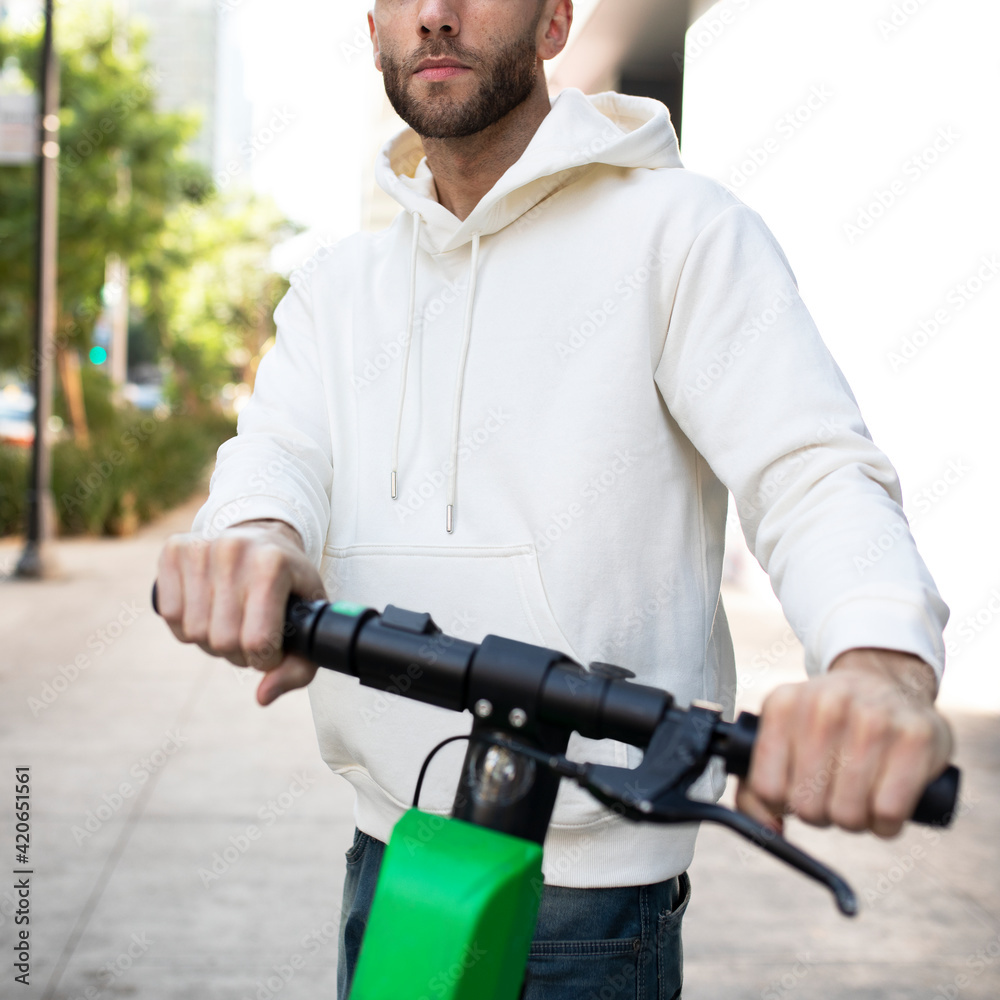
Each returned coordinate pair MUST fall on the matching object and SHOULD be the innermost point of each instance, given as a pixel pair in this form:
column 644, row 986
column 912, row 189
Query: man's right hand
column 229, row 594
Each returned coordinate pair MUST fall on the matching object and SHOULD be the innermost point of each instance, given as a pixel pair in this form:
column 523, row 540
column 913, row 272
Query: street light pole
column 36, row 561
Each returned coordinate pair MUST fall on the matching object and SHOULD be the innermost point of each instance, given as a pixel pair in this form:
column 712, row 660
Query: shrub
column 13, row 483
column 135, row 468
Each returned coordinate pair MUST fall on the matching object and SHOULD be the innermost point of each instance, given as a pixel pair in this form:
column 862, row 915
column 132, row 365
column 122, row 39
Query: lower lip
column 441, row 72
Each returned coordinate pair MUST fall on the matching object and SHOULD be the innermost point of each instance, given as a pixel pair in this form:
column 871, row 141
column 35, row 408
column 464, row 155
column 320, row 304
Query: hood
column 614, row 129
column 577, row 133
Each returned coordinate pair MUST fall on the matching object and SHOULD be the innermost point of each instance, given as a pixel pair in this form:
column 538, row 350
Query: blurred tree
column 208, row 289
column 122, row 170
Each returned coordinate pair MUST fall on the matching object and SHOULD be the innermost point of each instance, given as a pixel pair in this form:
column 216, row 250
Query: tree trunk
column 72, row 386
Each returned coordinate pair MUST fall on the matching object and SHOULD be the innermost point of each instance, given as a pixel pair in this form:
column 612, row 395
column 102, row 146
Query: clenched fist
column 854, row 747
column 228, row 595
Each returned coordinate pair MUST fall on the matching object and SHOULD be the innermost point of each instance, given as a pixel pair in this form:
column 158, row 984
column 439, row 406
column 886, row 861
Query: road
column 185, row 842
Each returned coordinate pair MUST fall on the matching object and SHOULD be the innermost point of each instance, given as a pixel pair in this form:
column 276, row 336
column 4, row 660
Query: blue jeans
column 590, row 944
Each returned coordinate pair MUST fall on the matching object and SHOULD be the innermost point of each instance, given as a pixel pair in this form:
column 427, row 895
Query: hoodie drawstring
column 460, row 378
column 460, row 385
column 406, row 349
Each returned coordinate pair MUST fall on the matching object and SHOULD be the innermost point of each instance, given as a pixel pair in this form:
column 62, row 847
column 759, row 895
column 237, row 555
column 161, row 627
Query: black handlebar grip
column 153, row 598
column 936, row 806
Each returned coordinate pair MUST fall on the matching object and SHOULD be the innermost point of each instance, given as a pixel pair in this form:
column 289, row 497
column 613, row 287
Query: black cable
column 427, row 760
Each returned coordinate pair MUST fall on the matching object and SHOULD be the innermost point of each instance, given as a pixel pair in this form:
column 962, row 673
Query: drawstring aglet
column 393, row 484
column 449, row 518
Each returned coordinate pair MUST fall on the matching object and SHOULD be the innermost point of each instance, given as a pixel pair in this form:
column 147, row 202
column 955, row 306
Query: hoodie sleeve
column 279, row 465
column 747, row 378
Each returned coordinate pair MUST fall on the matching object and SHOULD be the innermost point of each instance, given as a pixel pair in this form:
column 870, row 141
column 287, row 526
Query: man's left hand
column 854, row 747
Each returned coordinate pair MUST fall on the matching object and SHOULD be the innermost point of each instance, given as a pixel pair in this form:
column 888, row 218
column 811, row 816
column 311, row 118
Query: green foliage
column 13, row 483
column 208, row 289
column 97, row 400
column 135, row 468
column 122, row 169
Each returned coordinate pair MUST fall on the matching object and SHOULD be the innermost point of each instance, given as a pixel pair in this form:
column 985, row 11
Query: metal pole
column 36, row 560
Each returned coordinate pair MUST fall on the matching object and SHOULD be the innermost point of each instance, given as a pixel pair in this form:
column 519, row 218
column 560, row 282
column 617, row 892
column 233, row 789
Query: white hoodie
column 571, row 379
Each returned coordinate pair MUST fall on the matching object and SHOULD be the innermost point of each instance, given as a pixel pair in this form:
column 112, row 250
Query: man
column 589, row 346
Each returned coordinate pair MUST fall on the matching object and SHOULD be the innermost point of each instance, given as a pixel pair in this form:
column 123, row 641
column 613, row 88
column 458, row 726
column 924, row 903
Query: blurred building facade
column 194, row 49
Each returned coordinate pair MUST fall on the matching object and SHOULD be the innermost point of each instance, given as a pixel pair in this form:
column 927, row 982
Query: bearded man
column 587, row 348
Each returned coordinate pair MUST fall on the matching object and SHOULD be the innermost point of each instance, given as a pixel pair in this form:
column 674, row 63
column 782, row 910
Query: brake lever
column 656, row 791
column 676, row 807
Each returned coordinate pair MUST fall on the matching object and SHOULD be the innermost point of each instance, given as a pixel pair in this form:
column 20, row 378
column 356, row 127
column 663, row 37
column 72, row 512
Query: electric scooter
column 471, row 884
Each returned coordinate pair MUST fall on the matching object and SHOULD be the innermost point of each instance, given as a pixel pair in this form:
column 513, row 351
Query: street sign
column 18, row 128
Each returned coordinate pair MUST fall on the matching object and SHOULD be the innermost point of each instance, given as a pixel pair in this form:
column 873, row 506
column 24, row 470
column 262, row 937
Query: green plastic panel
column 453, row 916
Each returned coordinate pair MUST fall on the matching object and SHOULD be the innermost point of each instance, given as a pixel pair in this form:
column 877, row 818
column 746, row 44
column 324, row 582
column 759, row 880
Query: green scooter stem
column 453, row 916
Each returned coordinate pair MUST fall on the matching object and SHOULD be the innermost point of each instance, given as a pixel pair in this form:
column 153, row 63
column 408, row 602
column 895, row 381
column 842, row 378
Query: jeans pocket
column 669, row 953
column 573, row 970
column 356, row 852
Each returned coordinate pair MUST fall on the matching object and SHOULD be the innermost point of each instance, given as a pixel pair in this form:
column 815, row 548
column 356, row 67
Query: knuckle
column 919, row 729
column 196, row 632
column 227, row 551
column 871, row 724
column 782, row 700
column 224, row 639
column 849, row 814
column 829, row 708
column 261, row 648
column 270, row 562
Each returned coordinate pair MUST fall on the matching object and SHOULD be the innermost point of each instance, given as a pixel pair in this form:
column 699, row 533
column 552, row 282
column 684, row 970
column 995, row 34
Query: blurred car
column 17, row 416
column 144, row 395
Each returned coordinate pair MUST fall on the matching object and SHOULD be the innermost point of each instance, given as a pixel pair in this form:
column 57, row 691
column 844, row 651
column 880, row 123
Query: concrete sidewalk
column 186, row 842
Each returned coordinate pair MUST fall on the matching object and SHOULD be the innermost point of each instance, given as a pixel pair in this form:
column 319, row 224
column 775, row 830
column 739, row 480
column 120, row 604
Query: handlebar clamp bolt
column 483, row 708
column 518, row 717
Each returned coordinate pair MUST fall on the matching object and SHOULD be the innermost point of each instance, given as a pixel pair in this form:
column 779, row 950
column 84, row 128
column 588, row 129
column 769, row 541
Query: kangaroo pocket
column 470, row 593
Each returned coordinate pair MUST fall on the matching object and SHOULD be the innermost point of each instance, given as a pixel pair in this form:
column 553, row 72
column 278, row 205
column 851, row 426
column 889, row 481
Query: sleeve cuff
column 216, row 516
column 879, row 622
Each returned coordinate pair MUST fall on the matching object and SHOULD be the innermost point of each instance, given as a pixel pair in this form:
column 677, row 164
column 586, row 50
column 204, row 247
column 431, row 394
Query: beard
column 507, row 78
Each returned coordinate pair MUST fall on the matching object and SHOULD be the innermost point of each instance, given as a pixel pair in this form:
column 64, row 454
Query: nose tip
column 438, row 17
